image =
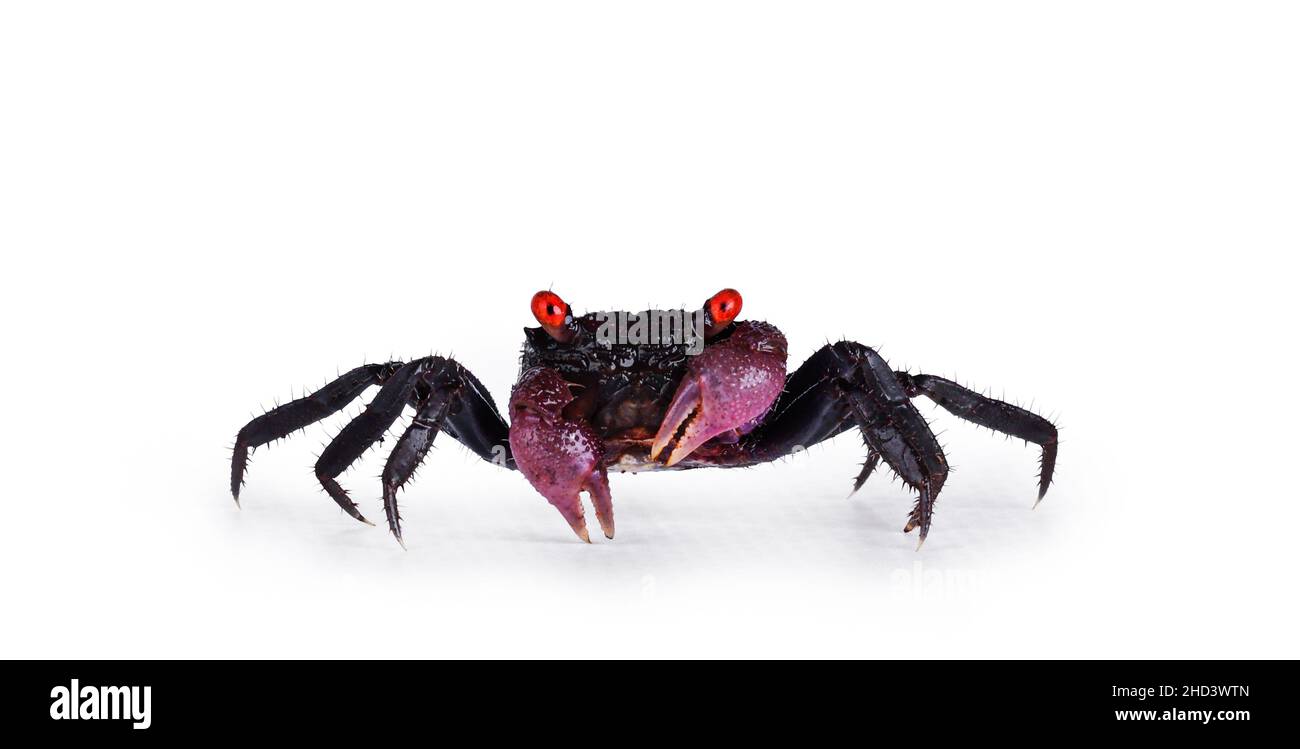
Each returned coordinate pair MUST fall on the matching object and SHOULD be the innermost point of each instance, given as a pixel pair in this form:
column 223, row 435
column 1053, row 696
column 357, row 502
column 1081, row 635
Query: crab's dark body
column 624, row 389
column 584, row 404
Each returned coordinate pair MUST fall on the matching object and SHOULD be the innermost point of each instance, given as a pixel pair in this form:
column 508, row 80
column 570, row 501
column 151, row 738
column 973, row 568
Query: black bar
column 216, row 699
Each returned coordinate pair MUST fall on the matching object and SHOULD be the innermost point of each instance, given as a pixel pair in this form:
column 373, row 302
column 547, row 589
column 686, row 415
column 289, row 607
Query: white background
column 1090, row 206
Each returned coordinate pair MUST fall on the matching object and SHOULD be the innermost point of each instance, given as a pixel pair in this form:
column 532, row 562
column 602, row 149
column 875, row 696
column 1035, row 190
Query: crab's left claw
column 727, row 387
column 560, row 456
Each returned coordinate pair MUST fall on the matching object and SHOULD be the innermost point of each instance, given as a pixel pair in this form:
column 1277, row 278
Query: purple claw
column 727, row 387
column 560, row 457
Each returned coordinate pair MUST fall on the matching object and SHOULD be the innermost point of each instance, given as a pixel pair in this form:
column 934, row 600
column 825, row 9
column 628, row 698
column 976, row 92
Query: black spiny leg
column 365, row 430
column 473, row 418
column 448, row 398
column 445, row 396
column 407, row 455
column 846, row 385
column 893, row 428
column 994, row 414
column 301, row 413
column 868, row 466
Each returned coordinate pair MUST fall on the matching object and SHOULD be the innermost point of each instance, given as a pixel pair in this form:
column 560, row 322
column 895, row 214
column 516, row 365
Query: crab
column 644, row 392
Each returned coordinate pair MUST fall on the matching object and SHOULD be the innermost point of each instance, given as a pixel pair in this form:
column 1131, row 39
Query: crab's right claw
column 727, row 388
column 560, row 457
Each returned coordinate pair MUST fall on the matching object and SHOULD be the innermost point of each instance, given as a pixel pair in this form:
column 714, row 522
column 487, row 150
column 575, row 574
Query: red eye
column 549, row 309
column 724, row 306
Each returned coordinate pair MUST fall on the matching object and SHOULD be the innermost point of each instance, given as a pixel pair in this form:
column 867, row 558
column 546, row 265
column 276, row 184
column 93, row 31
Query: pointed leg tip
column 586, row 537
column 367, row 522
column 395, row 528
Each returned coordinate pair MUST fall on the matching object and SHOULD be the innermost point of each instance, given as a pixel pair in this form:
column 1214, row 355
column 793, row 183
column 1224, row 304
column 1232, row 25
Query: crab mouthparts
column 682, row 429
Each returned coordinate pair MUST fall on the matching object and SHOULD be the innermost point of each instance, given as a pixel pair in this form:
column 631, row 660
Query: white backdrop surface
column 1087, row 206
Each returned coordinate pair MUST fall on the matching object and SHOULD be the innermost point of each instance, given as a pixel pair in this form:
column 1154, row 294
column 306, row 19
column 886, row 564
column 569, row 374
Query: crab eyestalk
column 554, row 315
column 720, row 310
column 726, row 389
